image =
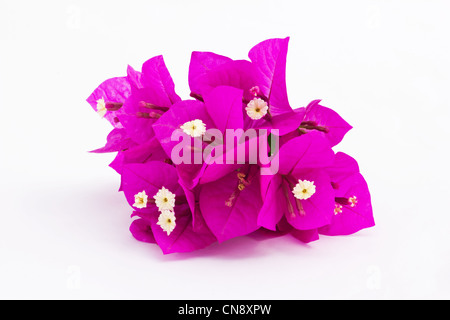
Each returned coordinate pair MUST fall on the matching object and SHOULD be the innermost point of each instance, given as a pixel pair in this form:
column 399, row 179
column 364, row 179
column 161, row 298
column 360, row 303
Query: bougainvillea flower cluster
column 188, row 205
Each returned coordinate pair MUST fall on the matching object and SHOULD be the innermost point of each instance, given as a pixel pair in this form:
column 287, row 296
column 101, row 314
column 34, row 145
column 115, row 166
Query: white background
column 383, row 65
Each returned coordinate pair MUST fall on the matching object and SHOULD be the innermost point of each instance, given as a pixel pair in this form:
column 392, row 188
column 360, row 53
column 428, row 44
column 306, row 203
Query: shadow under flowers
column 257, row 244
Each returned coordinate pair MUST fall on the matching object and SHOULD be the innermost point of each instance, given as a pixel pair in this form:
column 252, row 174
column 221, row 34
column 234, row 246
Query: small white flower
column 353, row 201
column 140, row 200
column 257, row 108
column 164, row 199
column 166, row 221
column 337, row 209
column 194, row 128
column 304, row 189
column 101, row 107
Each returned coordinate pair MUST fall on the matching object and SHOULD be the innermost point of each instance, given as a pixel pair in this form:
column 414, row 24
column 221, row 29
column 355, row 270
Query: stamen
column 230, row 201
column 197, row 96
column 300, row 207
column 255, row 91
column 308, row 123
column 302, row 131
column 312, row 125
column 148, row 105
column 168, row 161
column 241, row 175
column 113, row 106
column 352, row 201
column 148, row 115
column 244, row 181
column 288, row 199
column 341, row 200
column 178, row 201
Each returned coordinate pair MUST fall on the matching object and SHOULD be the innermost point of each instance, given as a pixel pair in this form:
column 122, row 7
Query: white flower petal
column 195, row 128
column 256, row 109
column 304, row 189
column 164, row 199
column 101, row 107
column 140, row 200
column 166, row 221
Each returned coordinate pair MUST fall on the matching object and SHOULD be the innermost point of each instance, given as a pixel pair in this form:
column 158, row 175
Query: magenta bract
column 249, row 160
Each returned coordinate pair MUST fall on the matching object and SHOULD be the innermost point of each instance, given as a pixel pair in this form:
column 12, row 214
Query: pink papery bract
column 235, row 155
